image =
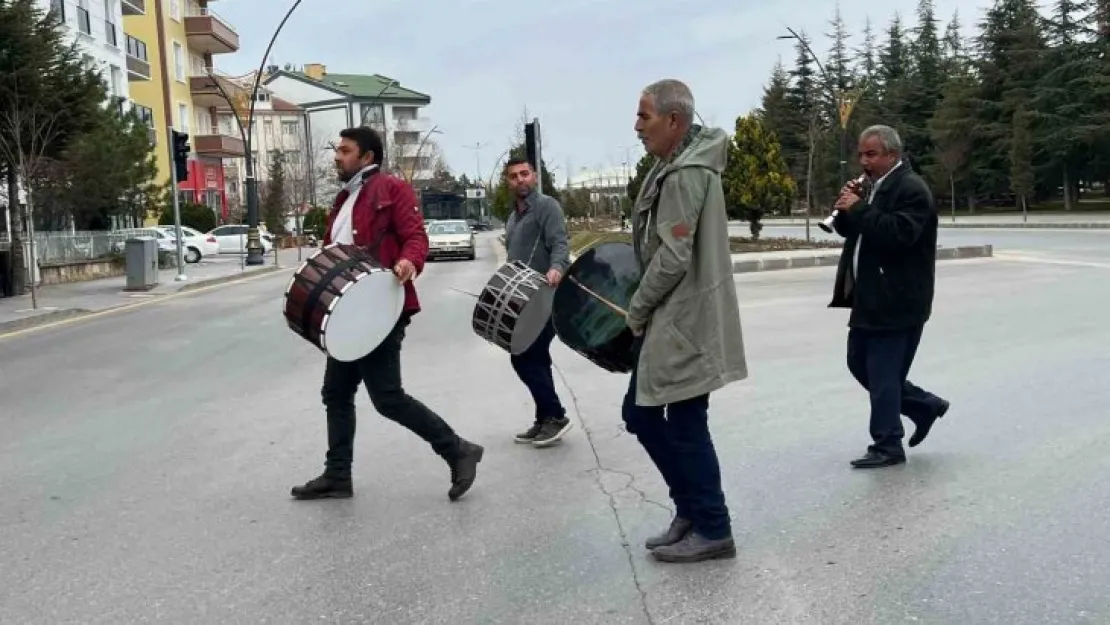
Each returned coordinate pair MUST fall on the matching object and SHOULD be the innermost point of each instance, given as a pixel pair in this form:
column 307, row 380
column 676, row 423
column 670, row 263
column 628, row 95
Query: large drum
column 343, row 301
column 514, row 307
column 589, row 311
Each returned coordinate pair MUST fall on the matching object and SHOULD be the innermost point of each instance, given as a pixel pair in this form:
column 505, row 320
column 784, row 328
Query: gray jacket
column 538, row 235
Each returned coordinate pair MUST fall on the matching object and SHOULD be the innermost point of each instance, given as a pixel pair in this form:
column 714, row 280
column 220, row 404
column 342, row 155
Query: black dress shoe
column 922, row 429
column 678, row 530
column 324, row 487
column 877, row 460
column 696, row 548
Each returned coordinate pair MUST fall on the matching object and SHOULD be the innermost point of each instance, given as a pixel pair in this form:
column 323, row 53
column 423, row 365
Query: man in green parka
column 686, row 319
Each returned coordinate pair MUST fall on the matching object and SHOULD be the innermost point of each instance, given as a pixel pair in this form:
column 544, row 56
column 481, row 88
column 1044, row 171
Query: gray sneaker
column 551, row 432
column 529, row 435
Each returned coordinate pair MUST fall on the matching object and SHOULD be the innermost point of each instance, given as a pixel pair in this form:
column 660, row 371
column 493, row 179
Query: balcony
column 138, row 64
column 218, row 146
column 134, row 7
column 210, row 33
column 207, row 95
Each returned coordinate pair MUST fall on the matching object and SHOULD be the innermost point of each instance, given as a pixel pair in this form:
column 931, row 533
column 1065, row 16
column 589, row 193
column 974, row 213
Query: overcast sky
column 577, row 65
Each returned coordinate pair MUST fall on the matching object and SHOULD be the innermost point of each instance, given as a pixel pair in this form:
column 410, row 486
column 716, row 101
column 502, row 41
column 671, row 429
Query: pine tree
column 642, row 168
column 756, row 179
column 273, row 200
column 1021, row 158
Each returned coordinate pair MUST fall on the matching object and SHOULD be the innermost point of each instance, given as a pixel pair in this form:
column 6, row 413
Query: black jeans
column 676, row 438
column 880, row 361
column 380, row 371
column 533, row 367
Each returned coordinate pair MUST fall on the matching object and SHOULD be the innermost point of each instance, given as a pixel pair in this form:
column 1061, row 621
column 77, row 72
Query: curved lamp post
column 254, row 243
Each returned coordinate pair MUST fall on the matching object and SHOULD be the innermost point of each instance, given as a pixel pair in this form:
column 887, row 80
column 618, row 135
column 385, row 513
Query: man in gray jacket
column 686, row 318
column 536, row 234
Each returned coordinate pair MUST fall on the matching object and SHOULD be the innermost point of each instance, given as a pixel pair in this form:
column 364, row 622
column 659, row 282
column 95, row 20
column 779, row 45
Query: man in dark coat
column 887, row 276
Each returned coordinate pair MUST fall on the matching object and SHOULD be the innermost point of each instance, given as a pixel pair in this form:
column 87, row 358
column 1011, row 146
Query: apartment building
column 97, row 27
column 333, row 102
column 279, row 127
column 170, row 50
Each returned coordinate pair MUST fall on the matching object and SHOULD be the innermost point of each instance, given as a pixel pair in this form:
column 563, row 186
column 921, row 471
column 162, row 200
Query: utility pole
column 477, row 158
column 179, row 155
column 533, row 147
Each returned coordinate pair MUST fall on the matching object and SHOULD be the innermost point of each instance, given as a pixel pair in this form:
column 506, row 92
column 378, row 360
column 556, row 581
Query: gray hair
column 888, row 137
column 672, row 96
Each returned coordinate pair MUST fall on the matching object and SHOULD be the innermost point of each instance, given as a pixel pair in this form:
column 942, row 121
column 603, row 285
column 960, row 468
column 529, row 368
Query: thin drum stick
column 616, row 309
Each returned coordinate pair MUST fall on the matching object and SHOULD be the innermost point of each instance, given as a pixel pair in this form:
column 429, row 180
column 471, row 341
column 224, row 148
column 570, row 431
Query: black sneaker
column 464, row 468
column 530, row 434
column 551, row 432
column 324, row 487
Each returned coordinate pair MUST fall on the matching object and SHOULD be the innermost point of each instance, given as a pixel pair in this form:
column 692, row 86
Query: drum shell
column 513, row 307
column 309, row 275
column 588, row 325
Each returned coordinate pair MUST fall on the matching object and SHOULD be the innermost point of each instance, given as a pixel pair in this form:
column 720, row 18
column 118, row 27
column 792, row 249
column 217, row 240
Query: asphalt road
column 147, row 457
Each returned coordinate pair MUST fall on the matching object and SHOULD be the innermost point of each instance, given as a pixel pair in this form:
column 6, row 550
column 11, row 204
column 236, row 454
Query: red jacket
column 387, row 202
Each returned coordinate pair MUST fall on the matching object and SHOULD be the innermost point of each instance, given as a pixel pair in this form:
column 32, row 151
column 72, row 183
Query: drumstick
column 616, row 309
column 465, row 292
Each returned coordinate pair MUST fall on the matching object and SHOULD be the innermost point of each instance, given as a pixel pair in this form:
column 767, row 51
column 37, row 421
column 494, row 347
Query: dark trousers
column 676, row 438
column 380, row 371
column 533, row 367
column 880, row 361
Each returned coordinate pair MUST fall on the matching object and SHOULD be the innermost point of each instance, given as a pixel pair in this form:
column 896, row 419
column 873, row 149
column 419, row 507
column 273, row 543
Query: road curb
column 235, row 277
column 15, row 325
column 752, row 265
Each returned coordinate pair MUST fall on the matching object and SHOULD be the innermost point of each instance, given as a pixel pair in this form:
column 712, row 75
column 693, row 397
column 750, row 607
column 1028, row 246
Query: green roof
column 363, row 86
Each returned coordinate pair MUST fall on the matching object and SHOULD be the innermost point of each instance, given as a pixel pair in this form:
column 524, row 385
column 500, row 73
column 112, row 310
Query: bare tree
column 408, row 149
column 27, row 130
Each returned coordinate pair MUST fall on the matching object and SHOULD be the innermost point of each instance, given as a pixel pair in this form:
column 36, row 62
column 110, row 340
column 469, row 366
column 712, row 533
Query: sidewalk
column 1060, row 219
column 62, row 301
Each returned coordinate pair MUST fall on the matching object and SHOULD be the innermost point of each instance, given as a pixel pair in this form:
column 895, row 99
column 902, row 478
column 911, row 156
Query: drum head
column 585, row 323
column 532, row 320
column 364, row 315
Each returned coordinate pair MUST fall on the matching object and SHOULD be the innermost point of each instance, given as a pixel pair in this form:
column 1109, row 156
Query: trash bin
column 141, row 263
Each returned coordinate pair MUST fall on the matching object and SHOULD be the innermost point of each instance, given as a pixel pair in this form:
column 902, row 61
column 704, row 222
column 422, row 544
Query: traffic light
column 181, row 151
column 530, row 144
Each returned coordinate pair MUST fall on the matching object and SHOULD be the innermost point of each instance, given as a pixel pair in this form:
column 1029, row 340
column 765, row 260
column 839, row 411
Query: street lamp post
column 250, row 184
column 845, row 103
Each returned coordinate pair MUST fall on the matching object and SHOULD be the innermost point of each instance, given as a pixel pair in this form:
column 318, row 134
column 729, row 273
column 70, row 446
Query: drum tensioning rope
column 324, row 284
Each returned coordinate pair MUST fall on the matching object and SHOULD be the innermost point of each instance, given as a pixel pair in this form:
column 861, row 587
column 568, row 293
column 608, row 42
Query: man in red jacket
column 379, row 212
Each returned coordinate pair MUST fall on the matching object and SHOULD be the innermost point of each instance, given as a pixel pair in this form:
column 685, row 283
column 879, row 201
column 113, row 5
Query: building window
column 116, row 81
column 84, row 21
column 175, row 10
column 404, row 113
column 136, row 49
column 60, row 7
column 146, row 114
column 109, row 25
column 178, row 62
column 372, row 114
column 183, row 117
column 290, row 129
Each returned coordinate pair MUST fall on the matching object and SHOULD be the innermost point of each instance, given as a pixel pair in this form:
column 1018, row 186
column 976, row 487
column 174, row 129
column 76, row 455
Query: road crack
column 599, row 471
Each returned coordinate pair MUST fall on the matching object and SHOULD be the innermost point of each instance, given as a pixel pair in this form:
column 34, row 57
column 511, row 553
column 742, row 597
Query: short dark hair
column 517, row 160
column 368, row 140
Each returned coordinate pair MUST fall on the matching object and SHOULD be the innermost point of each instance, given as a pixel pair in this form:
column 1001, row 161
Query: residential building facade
column 97, row 26
column 170, row 47
column 333, row 102
column 279, row 127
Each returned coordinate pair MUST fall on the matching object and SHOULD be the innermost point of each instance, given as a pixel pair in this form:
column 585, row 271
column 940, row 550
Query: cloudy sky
column 577, row 65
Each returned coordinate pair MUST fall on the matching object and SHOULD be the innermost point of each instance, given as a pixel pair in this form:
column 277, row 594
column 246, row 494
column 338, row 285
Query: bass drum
column 586, row 323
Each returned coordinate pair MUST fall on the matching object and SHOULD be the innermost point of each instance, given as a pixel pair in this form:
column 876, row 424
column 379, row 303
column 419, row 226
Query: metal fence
column 68, row 247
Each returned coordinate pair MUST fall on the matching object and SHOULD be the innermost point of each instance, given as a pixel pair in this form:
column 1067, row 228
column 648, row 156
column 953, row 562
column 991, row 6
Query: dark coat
column 897, row 262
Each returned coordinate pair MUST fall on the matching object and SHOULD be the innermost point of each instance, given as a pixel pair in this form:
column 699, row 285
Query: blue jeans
column 533, row 367
column 676, row 438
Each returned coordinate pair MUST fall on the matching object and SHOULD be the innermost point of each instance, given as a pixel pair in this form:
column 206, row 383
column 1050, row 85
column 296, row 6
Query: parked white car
column 197, row 244
column 167, row 242
column 232, row 239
